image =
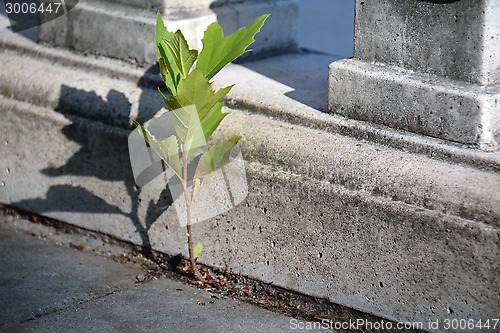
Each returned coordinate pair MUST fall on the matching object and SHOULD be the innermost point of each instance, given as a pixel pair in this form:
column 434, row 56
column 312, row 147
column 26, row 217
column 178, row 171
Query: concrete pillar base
column 421, row 103
column 428, row 67
column 124, row 31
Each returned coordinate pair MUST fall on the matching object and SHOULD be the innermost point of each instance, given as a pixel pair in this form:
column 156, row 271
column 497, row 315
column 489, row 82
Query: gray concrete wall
column 456, row 39
column 342, row 239
column 396, row 224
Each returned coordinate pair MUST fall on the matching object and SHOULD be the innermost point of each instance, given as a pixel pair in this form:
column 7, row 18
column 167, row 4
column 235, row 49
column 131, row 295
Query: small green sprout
column 195, row 107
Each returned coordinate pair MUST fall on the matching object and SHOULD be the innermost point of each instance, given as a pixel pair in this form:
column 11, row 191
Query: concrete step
column 118, row 30
column 406, row 230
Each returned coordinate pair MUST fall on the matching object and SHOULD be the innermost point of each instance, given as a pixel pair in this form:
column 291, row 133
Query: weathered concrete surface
column 162, row 306
column 127, row 32
column 429, row 67
column 49, row 288
column 342, row 241
column 291, row 87
column 338, row 222
column 430, row 105
column 456, row 39
column 404, row 236
column 125, row 98
column 38, row 277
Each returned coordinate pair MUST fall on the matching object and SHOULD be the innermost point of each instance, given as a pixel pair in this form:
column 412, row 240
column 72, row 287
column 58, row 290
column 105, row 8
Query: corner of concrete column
column 421, row 103
column 424, row 67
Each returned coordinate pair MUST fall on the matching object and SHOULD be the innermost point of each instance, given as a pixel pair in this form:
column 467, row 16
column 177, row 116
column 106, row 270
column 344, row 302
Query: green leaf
column 214, row 159
column 170, row 72
column 197, row 249
column 212, row 119
column 188, row 128
column 164, row 67
column 174, row 56
column 165, row 99
column 180, row 54
column 168, row 149
column 196, row 90
column 218, row 50
column 161, row 32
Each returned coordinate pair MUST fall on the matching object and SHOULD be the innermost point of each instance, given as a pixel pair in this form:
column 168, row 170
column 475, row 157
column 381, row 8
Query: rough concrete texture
column 291, row 87
column 429, row 67
column 420, row 103
column 332, row 226
column 294, row 88
column 162, row 306
column 39, row 277
column 126, row 32
column 456, row 39
column 51, row 288
column 75, row 99
column 111, row 101
column 401, row 235
column 408, row 74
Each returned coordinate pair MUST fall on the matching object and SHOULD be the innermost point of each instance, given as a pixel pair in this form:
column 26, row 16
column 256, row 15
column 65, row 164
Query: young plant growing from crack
column 195, row 107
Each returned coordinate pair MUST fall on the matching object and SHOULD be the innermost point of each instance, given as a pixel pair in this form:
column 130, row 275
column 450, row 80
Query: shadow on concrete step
column 103, row 154
column 116, row 107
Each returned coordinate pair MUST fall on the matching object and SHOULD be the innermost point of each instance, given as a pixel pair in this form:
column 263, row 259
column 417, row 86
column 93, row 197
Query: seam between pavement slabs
column 76, row 303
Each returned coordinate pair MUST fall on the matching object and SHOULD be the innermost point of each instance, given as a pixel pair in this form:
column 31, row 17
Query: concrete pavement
column 45, row 287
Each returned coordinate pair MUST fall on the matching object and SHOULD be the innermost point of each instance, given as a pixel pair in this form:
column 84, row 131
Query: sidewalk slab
column 38, row 277
column 46, row 287
column 161, row 306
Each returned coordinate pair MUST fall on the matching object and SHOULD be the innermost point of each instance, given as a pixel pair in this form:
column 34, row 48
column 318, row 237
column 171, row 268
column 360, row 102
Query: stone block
column 428, row 67
column 431, row 105
column 119, row 30
column 456, row 39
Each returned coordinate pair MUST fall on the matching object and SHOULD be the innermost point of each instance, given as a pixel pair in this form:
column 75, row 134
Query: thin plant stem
column 194, row 267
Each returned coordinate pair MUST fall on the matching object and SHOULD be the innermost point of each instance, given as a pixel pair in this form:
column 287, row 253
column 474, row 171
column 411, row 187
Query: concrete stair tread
column 273, row 95
column 265, row 87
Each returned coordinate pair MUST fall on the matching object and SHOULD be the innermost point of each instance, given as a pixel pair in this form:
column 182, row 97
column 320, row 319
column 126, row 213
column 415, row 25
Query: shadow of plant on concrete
column 103, row 154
